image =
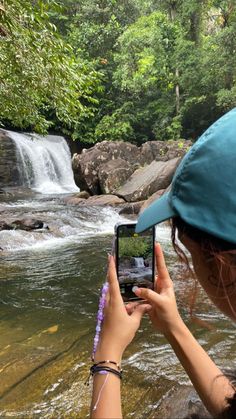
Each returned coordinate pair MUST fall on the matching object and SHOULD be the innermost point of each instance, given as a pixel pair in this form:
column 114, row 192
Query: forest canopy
column 131, row 70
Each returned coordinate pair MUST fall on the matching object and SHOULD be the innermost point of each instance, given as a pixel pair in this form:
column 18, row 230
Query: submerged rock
column 26, row 224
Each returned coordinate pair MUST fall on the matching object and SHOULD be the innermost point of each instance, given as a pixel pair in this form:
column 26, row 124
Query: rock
column 94, row 200
column 4, row 226
column 111, row 200
column 28, row 224
column 119, row 149
column 83, row 194
column 87, row 164
column 9, row 173
column 85, row 167
column 182, row 403
column 131, row 208
column 152, row 150
column 73, row 200
column 113, row 174
column 101, row 169
column 152, row 198
column 148, row 180
column 163, row 150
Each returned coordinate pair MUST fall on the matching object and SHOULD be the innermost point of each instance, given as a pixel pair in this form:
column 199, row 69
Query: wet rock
column 4, row 226
column 83, row 194
column 113, row 174
column 27, row 224
column 111, row 200
column 148, row 180
column 182, row 403
column 9, row 173
column 73, row 200
column 131, row 208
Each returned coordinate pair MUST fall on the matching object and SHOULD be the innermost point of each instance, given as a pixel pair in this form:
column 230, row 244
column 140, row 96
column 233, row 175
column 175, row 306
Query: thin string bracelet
column 100, row 392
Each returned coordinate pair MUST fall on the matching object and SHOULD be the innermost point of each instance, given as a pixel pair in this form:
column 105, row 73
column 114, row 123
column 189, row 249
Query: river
column 49, row 288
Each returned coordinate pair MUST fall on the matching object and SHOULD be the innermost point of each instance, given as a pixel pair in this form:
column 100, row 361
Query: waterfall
column 139, row 262
column 44, row 163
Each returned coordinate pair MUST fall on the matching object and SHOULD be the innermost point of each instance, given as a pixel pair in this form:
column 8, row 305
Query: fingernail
column 136, row 290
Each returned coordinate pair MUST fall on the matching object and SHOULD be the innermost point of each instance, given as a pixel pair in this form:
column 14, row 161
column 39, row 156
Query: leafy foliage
column 42, row 82
column 131, row 70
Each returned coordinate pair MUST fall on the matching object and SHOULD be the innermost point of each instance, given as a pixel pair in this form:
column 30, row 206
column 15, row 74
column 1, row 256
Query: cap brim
column 160, row 210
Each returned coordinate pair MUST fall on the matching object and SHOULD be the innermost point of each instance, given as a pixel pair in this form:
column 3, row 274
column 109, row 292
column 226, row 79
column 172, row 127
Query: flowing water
column 49, row 286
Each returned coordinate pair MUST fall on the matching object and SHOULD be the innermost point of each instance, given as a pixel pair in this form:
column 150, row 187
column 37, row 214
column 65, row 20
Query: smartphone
column 134, row 255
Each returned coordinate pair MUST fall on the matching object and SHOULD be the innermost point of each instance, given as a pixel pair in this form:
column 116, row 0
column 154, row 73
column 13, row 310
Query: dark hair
column 218, row 253
column 223, row 255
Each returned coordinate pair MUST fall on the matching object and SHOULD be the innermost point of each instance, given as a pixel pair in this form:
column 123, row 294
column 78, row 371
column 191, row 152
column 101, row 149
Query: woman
column 202, row 209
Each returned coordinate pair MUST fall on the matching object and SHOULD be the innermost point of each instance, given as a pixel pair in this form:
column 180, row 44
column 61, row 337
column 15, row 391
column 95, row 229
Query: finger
column 140, row 310
column 114, row 289
column 163, row 280
column 147, row 294
column 130, row 307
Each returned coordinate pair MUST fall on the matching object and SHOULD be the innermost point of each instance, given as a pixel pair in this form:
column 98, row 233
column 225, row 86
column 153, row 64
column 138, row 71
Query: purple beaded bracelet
column 100, row 317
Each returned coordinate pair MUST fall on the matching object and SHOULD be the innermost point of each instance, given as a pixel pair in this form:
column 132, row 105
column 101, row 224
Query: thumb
column 139, row 311
column 146, row 294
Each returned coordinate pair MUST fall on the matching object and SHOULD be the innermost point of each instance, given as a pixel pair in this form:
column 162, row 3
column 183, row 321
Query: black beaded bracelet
column 107, row 362
column 95, row 369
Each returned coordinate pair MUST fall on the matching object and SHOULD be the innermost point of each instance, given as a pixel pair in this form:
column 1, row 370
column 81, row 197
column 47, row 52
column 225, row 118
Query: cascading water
column 44, row 163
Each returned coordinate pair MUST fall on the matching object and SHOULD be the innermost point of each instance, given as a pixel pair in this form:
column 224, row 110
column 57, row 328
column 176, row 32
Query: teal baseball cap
column 203, row 190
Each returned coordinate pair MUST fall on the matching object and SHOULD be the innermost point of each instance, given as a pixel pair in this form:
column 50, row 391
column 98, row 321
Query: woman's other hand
column 164, row 312
column 119, row 327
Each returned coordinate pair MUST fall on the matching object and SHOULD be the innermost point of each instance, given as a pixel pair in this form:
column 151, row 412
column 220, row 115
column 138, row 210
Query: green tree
column 43, row 83
column 145, row 77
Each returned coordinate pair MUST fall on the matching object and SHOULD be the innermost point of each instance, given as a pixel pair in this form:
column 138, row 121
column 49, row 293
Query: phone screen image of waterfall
column 135, row 259
column 50, row 281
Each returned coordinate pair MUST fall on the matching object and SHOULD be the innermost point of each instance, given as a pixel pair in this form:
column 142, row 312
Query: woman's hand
column 164, row 312
column 119, row 327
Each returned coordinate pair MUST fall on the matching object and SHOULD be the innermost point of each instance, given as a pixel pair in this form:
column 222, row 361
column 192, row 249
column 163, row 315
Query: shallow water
column 49, row 285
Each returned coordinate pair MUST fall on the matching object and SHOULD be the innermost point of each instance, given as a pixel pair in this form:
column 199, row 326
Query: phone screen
column 134, row 259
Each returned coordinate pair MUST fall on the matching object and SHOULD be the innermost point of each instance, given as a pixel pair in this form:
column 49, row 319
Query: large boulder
column 163, row 150
column 85, row 168
column 87, row 164
column 113, row 174
column 104, row 167
column 148, row 180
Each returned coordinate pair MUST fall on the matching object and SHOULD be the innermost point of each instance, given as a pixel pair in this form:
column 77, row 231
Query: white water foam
column 67, row 230
column 44, row 163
